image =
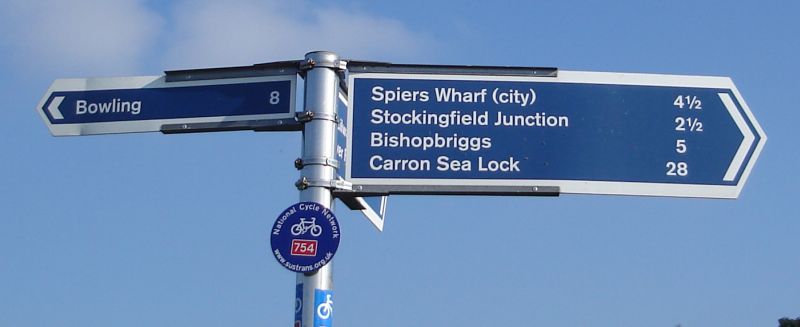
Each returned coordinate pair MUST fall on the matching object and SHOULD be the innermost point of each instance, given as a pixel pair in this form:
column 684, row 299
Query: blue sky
column 151, row 229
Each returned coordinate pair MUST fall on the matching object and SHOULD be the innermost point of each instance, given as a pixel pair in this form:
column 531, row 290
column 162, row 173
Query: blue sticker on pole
column 305, row 237
column 298, row 306
column 323, row 308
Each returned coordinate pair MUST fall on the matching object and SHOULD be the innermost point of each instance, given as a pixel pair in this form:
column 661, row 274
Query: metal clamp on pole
column 299, row 163
column 308, row 116
column 311, row 64
column 335, row 184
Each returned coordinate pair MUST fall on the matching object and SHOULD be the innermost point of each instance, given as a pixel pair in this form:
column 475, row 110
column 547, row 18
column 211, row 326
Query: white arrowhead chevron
column 749, row 138
column 53, row 108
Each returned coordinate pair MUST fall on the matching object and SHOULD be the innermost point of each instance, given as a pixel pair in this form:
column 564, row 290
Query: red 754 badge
column 304, row 248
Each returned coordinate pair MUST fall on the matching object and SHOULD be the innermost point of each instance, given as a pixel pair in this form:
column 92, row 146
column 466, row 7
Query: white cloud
column 214, row 33
column 365, row 36
column 83, row 38
column 78, row 37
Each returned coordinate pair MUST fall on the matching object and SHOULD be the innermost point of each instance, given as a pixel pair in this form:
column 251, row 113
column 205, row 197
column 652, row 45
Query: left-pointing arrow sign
column 53, row 108
column 145, row 104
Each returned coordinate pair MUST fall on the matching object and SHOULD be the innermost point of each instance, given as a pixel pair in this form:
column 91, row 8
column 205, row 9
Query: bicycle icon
column 325, row 309
column 304, row 226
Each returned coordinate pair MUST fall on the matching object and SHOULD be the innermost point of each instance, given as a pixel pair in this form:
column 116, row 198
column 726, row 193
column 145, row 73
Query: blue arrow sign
column 144, row 104
column 601, row 133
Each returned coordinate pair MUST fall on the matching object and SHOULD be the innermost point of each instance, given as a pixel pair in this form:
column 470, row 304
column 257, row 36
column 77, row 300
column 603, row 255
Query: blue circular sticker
column 305, row 237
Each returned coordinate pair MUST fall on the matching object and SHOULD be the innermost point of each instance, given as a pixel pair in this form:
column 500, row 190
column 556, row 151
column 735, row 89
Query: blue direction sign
column 144, row 104
column 584, row 132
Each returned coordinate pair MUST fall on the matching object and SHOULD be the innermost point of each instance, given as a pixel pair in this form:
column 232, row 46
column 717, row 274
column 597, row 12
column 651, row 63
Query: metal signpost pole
column 318, row 162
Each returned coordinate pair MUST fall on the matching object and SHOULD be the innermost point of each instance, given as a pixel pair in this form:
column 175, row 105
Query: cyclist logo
column 304, row 226
column 325, row 309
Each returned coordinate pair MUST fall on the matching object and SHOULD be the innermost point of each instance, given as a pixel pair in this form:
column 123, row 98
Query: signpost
column 147, row 103
column 413, row 129
column 581, row 132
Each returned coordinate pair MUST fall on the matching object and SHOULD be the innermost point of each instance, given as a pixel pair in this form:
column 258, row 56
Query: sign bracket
column 376, row 216
column 291, row 67
column 262, row 125
column 359, row 66
column 375, row 190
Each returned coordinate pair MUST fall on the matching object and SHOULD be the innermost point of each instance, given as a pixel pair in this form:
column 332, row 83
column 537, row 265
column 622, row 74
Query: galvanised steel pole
column 318, row 156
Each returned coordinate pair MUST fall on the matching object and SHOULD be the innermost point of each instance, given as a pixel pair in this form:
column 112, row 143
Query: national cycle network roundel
column 305, row 237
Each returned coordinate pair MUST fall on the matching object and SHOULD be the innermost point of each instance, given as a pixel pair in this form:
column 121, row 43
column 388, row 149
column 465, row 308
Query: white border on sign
column 147, row 82
column 572, row 186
